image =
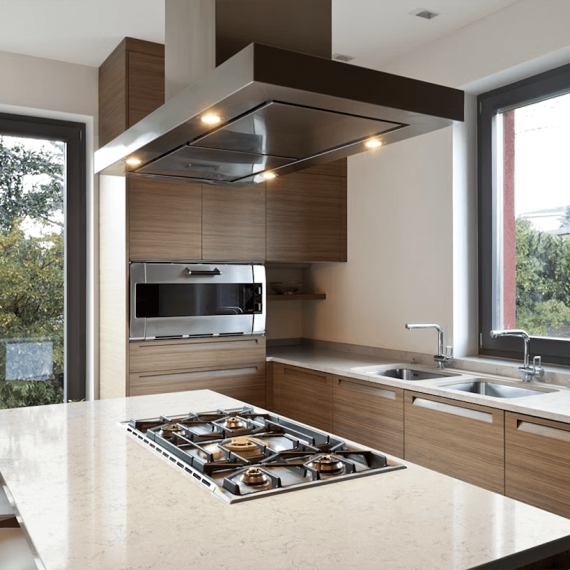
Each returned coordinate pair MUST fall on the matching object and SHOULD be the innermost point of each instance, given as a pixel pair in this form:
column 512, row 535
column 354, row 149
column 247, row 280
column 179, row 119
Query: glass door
column 42, row 262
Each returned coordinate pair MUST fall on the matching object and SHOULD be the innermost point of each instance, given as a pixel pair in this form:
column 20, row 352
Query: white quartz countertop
column 553, row 405
column 93, row 498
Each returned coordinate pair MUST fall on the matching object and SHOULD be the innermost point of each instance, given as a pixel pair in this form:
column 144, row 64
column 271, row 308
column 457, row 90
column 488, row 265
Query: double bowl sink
column 483, row 387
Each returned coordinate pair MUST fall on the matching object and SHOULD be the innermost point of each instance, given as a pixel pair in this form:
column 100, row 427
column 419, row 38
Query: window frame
column 73, row 134
column 534, row 89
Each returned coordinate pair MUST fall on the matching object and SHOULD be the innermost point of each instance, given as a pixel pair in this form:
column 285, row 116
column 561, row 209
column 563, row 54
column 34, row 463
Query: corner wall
column 412, row 207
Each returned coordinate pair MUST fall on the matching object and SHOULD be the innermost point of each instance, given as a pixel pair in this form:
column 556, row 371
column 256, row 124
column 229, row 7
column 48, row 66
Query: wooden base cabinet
column 462, row 440
column 234, row 367
column 303, row 395
column 370, row 414
column 537, row 462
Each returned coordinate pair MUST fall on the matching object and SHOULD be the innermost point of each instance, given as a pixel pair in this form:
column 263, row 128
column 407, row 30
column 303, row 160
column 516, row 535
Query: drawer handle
column 544, row 431
column 454, row 410
column 307, row 375
column 356, row 387
column 206, row 345
column 199, row 374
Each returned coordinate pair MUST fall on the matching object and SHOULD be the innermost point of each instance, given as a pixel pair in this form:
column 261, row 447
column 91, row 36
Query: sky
column 542, row 155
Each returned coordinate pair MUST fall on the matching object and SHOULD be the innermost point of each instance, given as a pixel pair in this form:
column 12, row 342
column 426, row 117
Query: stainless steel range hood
column 280, row 111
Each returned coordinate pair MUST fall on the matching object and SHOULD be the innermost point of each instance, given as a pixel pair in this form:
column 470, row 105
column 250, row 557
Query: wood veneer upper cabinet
column 462, row 440
column 131, row 85
column 370, row 414
column 165, row 219
column 306, row 215
column 303, row 395
column 233, row 223
column 537, row 462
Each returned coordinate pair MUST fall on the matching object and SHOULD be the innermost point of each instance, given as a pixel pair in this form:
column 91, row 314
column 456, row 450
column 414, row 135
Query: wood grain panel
column 463, row 447
column 246, row 383
column 144, row 46
column 303, row 395
column 370, row 414
column 269, row 368
column 333, row 168
column 537, row 462
column 233, row 223
column 303, row 218
column 165, row 220
column 344, row 214
column 113, row 283
column 145, row 85
column 196, row 353
column 113, row 95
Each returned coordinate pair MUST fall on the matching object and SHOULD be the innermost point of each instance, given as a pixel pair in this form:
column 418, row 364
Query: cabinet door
column 462, row 440
column 303, row 218
column 245, row 383
column 370, row 414
column 537, row 462
column 233, row 223
column 165, row 220
column 303, row 395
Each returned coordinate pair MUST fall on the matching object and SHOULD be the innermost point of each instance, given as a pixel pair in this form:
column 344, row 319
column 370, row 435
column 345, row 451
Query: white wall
column 412, row 215
column 52, row 89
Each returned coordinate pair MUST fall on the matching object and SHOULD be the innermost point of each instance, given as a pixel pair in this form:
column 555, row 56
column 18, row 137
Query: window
column 42, row 261
column 524, row 216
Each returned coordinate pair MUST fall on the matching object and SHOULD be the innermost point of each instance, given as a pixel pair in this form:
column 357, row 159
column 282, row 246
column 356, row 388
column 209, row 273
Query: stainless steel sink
column 497, row 389
column 409, row 374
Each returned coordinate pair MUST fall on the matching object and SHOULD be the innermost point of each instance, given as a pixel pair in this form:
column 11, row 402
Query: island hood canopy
column 265, row 110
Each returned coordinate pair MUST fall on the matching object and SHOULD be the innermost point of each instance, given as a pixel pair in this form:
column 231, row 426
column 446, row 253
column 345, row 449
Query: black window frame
column 73, row 134
column 540, row 87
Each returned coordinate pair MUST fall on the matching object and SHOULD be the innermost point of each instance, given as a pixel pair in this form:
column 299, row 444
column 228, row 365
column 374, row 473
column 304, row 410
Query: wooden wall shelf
column 298, row 297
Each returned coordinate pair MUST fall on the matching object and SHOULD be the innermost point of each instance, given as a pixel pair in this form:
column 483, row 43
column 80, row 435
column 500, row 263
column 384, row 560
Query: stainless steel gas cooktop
column 242, row 454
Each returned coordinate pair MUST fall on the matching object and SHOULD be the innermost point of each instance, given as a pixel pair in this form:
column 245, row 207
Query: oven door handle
column 212, row 273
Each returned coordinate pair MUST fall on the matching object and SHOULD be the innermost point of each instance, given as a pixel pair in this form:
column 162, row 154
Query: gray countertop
column 552, row 406
column 93, row 498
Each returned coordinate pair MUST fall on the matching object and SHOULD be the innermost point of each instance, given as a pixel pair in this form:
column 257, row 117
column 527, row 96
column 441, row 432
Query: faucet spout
column 527, row 370
column 441, row 358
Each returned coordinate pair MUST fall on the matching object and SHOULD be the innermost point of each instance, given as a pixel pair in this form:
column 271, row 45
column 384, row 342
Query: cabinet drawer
column 537, row 462
column 303, row 395
column 246, row 383
column 462, row 440
column 370, row 414
column 198, row 353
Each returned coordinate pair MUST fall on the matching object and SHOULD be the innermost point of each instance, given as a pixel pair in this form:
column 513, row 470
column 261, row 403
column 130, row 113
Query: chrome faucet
column 526, row 369
column 442, row 357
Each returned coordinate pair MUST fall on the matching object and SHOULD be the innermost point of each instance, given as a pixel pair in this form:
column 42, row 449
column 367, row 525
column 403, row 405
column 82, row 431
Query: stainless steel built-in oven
column 170, row 300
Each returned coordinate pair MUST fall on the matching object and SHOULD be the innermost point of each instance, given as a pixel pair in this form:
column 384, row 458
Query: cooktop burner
column 243, row 454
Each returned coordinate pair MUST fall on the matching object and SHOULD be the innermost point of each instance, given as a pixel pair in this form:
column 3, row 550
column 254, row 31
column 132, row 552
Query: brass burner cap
column 233, row 423
column 254, row 477
column 327, row 464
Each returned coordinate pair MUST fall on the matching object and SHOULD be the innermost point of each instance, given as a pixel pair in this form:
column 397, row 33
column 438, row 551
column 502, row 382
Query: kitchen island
column 93, row 498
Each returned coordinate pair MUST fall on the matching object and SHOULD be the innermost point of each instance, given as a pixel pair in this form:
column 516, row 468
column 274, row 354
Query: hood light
column 211, row 119
column 373, row 143
column 133, row 161
column 268, row 175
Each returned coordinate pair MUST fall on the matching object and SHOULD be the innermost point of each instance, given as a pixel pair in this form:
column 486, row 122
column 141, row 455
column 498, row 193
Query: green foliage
column 18, row 393
column 31, row 267
column 31, row 183
column 542, row 280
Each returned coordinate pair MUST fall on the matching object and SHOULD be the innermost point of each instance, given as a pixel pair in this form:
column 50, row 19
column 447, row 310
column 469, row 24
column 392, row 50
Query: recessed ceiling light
column 373, row 143
column 211, row 119
column 423, row 13
column 342, row 57
column 268, row 175
column 133, row 161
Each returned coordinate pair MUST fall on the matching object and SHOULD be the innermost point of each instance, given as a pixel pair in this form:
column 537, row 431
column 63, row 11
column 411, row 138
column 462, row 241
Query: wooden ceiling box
column 131, row 85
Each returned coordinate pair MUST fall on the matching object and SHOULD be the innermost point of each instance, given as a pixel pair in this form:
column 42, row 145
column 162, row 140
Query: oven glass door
column 164, row 300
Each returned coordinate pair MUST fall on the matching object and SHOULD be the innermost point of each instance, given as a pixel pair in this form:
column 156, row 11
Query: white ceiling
column 86, row 31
